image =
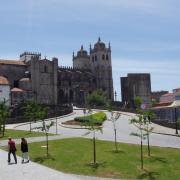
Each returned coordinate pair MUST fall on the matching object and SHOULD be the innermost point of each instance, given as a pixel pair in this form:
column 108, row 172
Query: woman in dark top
column 24, row 150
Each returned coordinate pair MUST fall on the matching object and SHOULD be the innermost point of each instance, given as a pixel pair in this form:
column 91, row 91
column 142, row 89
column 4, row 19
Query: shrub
column 97, row 118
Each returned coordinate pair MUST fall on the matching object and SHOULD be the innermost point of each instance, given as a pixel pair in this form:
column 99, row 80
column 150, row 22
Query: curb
column 46, row 119
column 167, row 134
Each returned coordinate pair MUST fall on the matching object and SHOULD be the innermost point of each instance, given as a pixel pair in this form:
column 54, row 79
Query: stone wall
column 13, row 73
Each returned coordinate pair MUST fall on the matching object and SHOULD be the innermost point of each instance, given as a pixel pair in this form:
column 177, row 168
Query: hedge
column 97, row 118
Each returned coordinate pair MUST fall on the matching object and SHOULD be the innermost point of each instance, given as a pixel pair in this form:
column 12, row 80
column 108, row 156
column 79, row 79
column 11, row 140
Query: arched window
column 103, row 57
column 95, row 58
column 45, row 69
column 107, row 57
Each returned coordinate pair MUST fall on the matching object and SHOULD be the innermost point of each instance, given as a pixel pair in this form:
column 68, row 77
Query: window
column 107, row 57
column 95, row 58
column 103, row 57
column 45, row 69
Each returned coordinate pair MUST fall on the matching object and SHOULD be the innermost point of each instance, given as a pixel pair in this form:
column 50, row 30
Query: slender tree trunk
column 94, row 148
column 56, row 126
column 30, row 128
column 4, row 126
column 0, row 128
column 115, row 138
column 47, row 145
column 141, row 152
column 149, row 152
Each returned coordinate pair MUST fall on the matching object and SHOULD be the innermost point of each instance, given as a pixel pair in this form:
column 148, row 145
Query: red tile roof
column 16, row 90
column 3, row 80
column 25, row 79
column 177, row 88
column 168, row 94
column 162, row 105
column 12, row 62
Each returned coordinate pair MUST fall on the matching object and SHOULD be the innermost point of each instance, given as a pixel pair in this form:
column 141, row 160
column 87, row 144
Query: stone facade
column 43, row 80
column 99, row 63
column 136, row 85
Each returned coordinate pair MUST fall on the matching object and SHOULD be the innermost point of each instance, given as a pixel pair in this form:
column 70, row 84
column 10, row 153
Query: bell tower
column 100, row 63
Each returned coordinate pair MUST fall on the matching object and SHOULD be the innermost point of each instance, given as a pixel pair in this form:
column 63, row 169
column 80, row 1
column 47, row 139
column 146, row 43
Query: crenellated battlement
column 27, row 53
column 70, row 68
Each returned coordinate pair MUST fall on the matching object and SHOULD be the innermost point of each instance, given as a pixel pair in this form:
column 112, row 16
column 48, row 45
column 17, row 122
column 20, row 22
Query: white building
column 4, row 90
column 176, row 93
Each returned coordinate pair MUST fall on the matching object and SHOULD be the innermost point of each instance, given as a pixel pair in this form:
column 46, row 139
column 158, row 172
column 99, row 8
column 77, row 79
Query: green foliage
column 137, row 102
column 15, row 134
column 34, row 112
column 96, row 119
column 153, row 102
column 96, row 98
column 4, row 113
column 31, row 110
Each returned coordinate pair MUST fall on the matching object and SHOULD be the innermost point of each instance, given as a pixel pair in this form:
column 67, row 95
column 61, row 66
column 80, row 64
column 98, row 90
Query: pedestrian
column 11, row 149
column 24, row 150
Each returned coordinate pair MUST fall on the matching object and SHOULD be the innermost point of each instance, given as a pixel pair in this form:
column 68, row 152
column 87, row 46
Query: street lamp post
column 56, row 120
column 175, row 116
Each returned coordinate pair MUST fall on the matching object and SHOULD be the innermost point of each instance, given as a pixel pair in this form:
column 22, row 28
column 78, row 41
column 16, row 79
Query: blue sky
column 144, row 34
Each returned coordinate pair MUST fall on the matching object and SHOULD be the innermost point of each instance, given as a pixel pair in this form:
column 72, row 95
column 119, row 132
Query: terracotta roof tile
column 25, row 79
column 168, row 94
column 16, row 90
column 12, row 62
column 3, row 80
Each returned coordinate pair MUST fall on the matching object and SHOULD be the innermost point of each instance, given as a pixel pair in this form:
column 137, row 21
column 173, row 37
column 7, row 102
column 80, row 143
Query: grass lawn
column 19, row 134
column 74, row 156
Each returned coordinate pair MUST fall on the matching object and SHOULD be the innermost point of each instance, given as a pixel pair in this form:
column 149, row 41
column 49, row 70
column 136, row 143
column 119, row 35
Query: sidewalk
column 34, row 171
column 164, row 130
column 158, row 129
column 29, row 171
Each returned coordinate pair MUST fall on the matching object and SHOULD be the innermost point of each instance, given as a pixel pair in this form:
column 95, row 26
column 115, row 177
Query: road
column 124, row 129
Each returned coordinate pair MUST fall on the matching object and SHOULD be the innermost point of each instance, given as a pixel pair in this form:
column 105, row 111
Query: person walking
column 24, row 150
column 11, row 149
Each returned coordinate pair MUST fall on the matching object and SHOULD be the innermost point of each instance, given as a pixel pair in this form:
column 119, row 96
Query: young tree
column 31, row 112
column 114, row 117
column 42, row 113
column 148, row 116
column 92, row 127
column 139, row 123
column 4, row 113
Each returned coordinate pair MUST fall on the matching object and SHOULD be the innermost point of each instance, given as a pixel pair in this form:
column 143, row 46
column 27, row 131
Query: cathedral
column 35, row 78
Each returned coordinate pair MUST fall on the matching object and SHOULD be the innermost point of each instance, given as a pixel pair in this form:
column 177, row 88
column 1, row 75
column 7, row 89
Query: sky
column 144, row 34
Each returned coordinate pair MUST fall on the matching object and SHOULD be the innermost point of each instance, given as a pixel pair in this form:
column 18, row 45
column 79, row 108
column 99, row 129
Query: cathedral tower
column 81, row 61
column 100, row 63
